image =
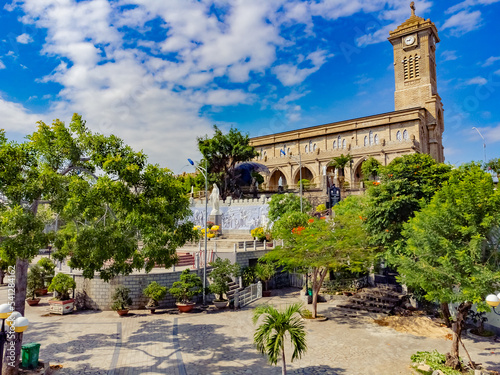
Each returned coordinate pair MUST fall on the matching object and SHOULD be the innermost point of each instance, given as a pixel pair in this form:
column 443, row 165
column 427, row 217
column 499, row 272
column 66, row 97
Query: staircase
column 381, row 299
column 233, row 288
column 185, row 259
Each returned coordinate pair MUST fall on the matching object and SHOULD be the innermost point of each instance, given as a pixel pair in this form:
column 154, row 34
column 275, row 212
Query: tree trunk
column 2, row 275
column 452, row 358
column 446, row 314
column 283, row 363
column 316, row 289
column 19, row 299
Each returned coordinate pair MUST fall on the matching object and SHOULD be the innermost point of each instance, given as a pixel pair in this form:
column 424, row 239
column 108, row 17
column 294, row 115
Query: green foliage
column 106, row 195
column 155, row 292
column 280, row 204
column 320, row 207
column 190, row 285
column 323, row 245
column 265, row 271
column 187, row 180
column 222, row 271
column 248, row 276
column 407, row 184
column 306, row 184
column 48, row 268
column 370, row 168
column 258, row 177
column 62, row 284
column 284, row 225
column 270, row 336
column 435, row 360
column 223, row 151
column 35, row 280
column 494, row 166
column 340, row 162
column 451, row 242
column 121, row 299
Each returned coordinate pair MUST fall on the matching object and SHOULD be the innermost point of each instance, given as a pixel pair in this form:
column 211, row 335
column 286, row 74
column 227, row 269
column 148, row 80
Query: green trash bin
column 29, row 354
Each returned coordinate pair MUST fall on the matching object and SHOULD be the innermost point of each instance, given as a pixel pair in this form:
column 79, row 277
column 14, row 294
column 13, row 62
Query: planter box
column 61, row 307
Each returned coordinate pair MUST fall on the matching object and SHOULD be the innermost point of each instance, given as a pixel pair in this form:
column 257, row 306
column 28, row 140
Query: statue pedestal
column 216, row 219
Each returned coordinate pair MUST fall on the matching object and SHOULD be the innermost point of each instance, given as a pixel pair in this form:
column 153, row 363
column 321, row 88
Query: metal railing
column 246, row 296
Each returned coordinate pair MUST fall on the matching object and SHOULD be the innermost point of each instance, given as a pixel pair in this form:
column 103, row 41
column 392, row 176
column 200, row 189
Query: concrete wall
column 96, row 293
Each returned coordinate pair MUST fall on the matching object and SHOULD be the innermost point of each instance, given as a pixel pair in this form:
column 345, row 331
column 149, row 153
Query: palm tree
column 339, row 162
column 269, row 338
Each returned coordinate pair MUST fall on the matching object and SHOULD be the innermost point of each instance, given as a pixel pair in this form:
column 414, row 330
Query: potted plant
column 155, row 292
column 221, row 276
column 35, row 282
column 265, row 271
column 62, row 304
column 121, row 300
column 190, row 285
column 48, row 269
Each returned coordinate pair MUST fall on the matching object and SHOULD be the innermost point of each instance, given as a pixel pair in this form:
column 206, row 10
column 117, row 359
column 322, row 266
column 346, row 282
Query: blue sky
column 159, row 73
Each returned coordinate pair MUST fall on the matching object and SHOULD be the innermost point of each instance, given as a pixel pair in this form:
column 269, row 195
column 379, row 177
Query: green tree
column 370, row 168
column 270, row 336
column 281, row 204
column 450, row 249
column 407, row 184
column 339, row 163
column 221, row 275
column 106, row 196
column 494, row 166
column 223, row 152
column 341, row 244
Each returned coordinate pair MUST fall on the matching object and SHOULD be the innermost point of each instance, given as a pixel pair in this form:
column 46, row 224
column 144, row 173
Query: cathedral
column 416, row 125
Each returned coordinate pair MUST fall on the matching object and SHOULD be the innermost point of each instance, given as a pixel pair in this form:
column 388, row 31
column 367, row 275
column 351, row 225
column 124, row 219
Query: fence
column 251, row 293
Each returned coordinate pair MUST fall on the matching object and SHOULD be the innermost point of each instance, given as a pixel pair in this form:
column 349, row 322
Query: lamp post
column 204, row 172
column 484, row 142
column 300, row 174
column 13, row 319
column 493, row 301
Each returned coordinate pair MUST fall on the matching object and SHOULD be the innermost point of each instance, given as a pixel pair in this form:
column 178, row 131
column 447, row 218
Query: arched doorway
column 306, row 175
column 274, row 180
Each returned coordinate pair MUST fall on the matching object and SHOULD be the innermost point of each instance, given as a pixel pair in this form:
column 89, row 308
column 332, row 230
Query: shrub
column 121, row 299
column 221, row 276
column 190, row 285
column 62, row 284
column 35, row 280
column 258, row 233
column 321, row 207
column 48, row 270
column 155, row 292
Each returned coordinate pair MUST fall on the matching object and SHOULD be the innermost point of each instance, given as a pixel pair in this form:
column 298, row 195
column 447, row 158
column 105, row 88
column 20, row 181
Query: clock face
column 409, row 40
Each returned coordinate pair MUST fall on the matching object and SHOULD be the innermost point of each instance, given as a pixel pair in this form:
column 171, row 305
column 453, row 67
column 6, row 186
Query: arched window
column 334, row 144
column 288, row 151
column 405, row 135
column 376, row 139
column 366, row 140
column 343, row 143
column 305, row 149
column 310, row 146
column 261, row 153
column 314, row 147
column 371, row 137
column 338, row 142
column 398, row 136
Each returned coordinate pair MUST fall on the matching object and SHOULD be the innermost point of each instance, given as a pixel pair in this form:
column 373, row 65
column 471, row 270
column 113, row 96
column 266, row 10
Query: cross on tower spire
column 412, row 6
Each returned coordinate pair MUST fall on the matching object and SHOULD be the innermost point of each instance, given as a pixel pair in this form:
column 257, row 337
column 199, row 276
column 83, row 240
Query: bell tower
column 414, row 43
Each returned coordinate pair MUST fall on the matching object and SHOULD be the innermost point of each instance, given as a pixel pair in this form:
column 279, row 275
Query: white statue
column 215, row 200
column 280, row 181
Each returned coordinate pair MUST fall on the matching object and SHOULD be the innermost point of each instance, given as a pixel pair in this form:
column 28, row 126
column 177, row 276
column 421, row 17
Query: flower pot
column 185, row 307
column 152, row 309
column 221, row 304
column 122, row 312
column 61, row 307
column 266, row 293
column 41, row 292
column 33, row 302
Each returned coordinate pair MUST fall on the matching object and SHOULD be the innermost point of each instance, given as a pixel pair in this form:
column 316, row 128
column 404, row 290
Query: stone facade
column 416, row 125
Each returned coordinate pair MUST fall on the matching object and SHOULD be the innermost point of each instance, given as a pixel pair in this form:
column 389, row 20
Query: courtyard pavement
column 90, row 342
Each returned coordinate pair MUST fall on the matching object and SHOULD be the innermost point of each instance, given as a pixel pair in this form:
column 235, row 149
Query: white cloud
column 492, row 134
column 469, row 3
column 24, row 38
column 477, row 81
column 292, row 74
column 16, row 118
column 463, row 22
column 490, row 61
column 449, row 56
column 2, row 65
